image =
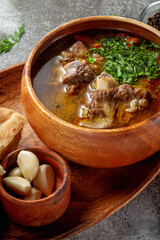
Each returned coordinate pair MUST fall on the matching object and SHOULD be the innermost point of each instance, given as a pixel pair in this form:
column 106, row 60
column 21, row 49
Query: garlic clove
column 45, row 179
column 34, row 194
column 2, row 171
column 29, row 164
column 15, row 172
column 18, row 185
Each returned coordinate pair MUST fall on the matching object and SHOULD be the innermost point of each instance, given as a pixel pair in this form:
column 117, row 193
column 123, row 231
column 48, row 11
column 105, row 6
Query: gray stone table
column 140, row 219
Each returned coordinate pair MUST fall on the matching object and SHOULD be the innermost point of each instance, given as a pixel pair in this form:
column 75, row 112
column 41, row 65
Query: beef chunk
column 106, row 103
column 125, row 94
column 106, row 81
column 77, row 72
column 77, row 50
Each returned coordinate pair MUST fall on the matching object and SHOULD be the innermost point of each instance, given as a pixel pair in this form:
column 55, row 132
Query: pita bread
column 11, row 124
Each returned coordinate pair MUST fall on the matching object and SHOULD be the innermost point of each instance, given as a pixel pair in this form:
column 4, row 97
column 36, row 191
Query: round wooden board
column 96, row 193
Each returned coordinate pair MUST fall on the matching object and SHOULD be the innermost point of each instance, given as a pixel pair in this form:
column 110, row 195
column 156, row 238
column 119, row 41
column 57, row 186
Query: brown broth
column 48, row 86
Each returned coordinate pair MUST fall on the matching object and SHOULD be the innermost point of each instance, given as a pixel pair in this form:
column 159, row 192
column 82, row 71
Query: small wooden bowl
column 48, row 209
column 105, row 148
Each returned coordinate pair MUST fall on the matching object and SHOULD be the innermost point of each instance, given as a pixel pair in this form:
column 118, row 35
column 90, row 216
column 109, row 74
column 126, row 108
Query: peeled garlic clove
column 29, row 164
column 34, row 194
column 45, row 179
column 2, row 171
column 15, row 172
column 18, row 185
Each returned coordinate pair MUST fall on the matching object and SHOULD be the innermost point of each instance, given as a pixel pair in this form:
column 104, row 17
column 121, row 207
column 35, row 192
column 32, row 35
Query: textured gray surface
column 42, row 16
column 140, row 219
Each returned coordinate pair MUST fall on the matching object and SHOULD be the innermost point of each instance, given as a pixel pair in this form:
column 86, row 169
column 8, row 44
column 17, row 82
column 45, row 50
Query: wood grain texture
column 91, row 147
column 95, row 193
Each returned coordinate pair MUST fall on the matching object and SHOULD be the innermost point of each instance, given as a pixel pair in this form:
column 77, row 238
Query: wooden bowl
column 105, row 148
column 48, row 209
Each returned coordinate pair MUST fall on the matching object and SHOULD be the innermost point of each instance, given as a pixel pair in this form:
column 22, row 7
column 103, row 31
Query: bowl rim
column 45, row 111
column 44, row 150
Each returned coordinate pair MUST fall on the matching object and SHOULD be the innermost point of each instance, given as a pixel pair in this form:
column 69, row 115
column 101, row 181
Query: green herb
column 127, row 63
column 9, row 41
column 154, row 45
column 91, row 59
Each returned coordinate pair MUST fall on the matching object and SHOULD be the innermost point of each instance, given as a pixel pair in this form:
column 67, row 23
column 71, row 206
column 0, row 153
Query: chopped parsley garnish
column 9, row 41
column 91, row 59
column 127, row 61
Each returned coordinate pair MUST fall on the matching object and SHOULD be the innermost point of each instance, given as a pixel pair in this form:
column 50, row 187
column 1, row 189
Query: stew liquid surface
column 91, row 98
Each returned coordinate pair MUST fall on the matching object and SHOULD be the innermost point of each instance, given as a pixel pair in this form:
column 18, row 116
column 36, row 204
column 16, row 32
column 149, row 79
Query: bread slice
column 11, row 124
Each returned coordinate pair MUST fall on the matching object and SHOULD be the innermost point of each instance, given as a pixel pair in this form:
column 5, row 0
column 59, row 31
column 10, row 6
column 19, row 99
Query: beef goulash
column 101, row 80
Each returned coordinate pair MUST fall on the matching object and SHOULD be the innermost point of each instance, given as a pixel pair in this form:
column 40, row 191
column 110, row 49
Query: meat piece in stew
column 77, row 50
column 77, row 72
column 106, row 81
column 106, row 103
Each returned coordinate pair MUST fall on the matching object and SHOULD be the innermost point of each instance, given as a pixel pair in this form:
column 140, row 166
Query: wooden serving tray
column 96, row 193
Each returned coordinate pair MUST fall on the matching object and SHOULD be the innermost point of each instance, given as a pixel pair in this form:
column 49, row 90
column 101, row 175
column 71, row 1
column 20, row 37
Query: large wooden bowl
column 91, row 147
